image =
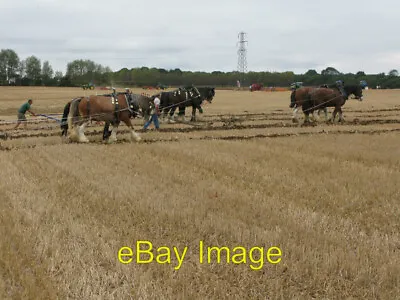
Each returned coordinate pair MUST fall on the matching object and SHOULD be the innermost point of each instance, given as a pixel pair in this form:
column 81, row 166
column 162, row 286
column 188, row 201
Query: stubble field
column 243, row 175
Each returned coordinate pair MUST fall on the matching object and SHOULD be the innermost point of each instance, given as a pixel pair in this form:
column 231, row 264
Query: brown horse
column 112, row 109
column 326, row 97
column 298, row 97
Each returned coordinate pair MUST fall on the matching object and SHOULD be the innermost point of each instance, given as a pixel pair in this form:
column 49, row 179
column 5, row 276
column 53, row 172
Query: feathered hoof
column 84, row 140
column 135, row 137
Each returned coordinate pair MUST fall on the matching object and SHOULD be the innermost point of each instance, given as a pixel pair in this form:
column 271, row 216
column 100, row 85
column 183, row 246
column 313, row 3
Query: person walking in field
column 22, row 111
column 155, row 112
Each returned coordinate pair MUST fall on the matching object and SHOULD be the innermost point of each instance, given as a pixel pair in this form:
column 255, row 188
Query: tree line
column 32, row 72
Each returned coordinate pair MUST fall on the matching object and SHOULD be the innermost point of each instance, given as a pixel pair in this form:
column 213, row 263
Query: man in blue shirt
column 21, row 113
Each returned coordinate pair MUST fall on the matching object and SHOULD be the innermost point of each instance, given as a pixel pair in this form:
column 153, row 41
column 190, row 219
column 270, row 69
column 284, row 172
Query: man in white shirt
column 155, row 111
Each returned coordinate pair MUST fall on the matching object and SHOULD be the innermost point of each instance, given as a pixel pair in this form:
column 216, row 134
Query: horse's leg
column 106, row 131
column 332, row 119
column 64, row 134
column 294, row 117
column 181, row 113
column 81, row 132
column 341, row 119
column 193, row 119
column 74, row 133
column 293, row 99
column 166, row 118
column 307, row 117
column 162, row 115
column 171, row 114
column 134, row 135
column 113, row 136
column 319, row 114
column 326, row 113
column 172, row 111
column 313, row 116
column 181, row 110
column 80, row 120
column 73, row 122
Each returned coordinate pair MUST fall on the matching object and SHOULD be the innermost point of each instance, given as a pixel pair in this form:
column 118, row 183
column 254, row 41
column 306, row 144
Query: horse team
column 120, row 107
column 312, row 99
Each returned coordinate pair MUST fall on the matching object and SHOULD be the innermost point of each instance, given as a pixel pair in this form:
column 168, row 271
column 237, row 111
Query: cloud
column 202, row 35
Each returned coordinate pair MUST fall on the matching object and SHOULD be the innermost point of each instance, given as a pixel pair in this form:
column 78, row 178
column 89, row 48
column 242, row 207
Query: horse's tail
column 64, row 120
column 293, row 99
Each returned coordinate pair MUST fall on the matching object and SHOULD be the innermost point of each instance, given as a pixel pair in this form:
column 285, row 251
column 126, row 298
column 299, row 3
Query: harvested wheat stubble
column 326, row 195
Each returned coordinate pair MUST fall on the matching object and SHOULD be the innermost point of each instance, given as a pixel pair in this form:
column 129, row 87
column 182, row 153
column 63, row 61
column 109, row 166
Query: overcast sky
column 283, row 35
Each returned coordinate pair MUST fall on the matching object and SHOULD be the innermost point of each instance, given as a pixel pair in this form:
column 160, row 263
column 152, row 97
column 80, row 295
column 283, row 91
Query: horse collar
column 129, row 104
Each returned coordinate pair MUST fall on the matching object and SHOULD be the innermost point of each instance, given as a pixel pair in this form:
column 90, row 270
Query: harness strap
column 129, row 105
column 116, row 109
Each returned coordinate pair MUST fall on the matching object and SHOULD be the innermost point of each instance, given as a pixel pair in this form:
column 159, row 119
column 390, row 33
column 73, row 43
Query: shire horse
column 206, row 93
column 297, row 98
column 111, row 108
column 182, row 97
column 329, row 97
